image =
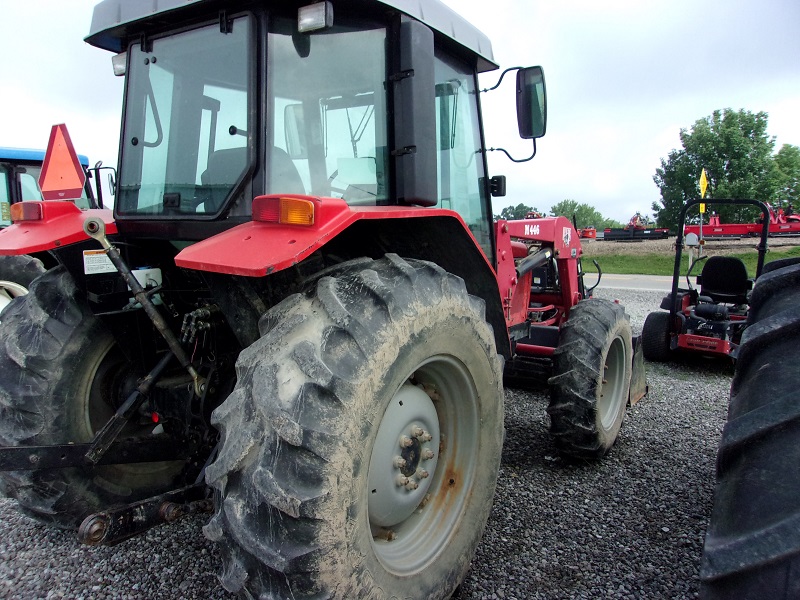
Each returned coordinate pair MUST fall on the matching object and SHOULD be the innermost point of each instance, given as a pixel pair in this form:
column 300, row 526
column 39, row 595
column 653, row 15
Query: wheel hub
column 403, row 457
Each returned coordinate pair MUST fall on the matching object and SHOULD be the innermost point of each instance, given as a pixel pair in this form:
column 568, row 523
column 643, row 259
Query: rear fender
column 256, row 249
column 61, row 224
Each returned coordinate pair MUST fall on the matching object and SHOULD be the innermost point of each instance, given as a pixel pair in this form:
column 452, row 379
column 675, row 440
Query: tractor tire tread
column 752, row 549
column 289, row 404
column 577, row 365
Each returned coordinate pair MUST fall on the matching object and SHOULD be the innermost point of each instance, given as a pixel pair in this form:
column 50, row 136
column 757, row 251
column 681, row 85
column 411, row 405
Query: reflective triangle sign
column 62, row 176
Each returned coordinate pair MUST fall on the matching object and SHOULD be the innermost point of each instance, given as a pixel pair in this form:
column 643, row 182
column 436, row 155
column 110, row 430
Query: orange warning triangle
column 62, row 176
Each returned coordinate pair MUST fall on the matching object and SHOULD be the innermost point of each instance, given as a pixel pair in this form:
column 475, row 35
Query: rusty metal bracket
column 111, row 527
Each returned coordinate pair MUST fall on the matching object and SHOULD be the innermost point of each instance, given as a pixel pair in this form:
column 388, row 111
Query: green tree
column 513, row 213
column 787, row 163
column 736, row 152
column 585, row 215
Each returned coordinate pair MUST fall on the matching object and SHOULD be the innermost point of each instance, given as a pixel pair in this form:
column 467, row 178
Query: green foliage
column 787, row 162
column 585, row 215
column 736, row 152
column 514, row 213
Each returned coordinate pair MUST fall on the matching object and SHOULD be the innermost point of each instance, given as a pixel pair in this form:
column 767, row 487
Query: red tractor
column 20, row 170
column 300, row 310
column 710, row 320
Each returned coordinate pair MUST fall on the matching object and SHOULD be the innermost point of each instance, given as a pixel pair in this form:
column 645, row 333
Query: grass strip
column 663, row 264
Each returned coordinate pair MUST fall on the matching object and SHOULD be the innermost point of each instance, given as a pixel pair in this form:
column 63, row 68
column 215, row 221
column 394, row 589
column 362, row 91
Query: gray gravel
column 630, row 526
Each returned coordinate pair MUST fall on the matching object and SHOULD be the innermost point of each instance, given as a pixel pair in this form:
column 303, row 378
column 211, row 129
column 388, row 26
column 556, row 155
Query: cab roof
column 114, row 21
column 30, row 156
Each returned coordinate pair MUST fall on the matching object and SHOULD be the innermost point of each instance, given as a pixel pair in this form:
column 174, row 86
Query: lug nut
column 399, row 462
column 417, row 431
column 406, row 442
column 411, row 485
column 425, row 437
column 401, row 480
column 421, row 474
column 427, row 454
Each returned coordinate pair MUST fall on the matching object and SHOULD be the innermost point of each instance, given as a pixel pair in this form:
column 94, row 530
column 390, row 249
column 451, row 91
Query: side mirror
column 531, row 103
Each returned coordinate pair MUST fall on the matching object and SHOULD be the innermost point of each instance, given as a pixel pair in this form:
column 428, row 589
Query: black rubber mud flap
column 639, row 386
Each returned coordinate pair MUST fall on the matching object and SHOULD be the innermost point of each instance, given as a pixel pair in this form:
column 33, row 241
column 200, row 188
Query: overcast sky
column 623, row 77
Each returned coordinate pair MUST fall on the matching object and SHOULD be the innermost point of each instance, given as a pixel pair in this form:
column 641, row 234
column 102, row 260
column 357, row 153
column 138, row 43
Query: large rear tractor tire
column 752, row 547
column 591, row 379
column 61, row 367
column 656, row 337
column 16, row 275
column 361, row 445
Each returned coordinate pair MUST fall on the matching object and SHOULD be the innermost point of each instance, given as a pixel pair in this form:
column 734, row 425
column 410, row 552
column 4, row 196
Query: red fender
column 49, row 225
column 259, row 248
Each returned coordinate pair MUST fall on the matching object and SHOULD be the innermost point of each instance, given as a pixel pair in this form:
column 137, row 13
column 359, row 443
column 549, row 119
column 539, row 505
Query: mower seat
column 724, row 279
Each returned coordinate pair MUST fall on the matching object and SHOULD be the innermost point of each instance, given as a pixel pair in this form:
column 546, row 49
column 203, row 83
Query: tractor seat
column 223, row 170
column 226, row 166
column 724, row 279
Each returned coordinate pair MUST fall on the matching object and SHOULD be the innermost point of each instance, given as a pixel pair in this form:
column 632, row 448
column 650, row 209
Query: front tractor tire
column 61, row 370
column 592, row 368
column 361, row 445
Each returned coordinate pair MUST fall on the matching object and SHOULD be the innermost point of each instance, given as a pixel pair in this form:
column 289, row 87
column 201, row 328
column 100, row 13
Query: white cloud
column 623, row 77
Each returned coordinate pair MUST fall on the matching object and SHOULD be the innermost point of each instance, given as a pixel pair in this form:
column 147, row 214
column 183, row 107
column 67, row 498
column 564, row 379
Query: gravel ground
column 629, row 526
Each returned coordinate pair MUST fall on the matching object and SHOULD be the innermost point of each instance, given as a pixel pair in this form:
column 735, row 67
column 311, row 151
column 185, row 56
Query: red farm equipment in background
column 780, row 223
column 638, row 228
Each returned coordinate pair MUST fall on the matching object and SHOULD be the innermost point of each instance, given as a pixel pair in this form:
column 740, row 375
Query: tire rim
column 611, row 392
column 413, row 515
column 10, row 290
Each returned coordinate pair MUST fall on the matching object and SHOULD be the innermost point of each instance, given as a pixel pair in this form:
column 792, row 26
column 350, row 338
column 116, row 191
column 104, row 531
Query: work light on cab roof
column 314, row 17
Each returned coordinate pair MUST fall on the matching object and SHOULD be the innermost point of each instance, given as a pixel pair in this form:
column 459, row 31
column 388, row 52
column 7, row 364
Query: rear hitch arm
column 117, row 525
column 96, row 229
column 155, row 448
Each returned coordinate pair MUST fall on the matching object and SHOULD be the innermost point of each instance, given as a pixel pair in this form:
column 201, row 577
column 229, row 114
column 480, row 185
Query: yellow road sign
column 703, row 186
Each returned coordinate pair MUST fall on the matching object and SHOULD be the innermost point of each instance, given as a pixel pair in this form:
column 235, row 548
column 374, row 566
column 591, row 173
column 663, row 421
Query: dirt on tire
column 53, row 353
column 296, row 511
column 592, row 368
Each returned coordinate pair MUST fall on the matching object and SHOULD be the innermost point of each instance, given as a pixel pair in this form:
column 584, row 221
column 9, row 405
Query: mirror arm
column 511, row 158
column 499, row 81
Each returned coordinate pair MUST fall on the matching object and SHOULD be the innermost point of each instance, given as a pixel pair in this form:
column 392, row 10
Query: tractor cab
column 373, row 103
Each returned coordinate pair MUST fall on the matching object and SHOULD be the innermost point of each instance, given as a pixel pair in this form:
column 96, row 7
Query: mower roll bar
column 762, row 246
